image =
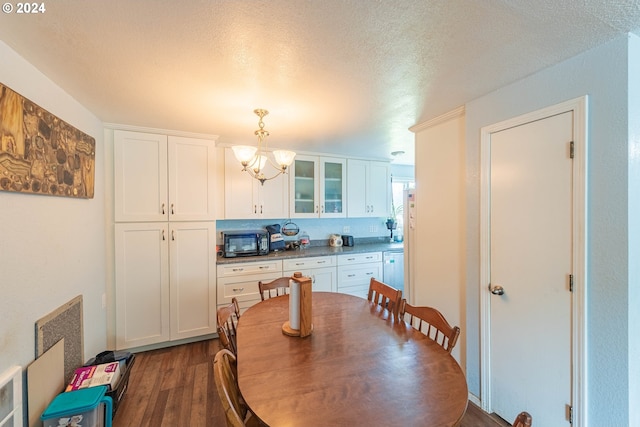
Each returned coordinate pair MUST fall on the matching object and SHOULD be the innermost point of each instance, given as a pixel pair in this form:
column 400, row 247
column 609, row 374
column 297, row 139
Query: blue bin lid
column 75, row 402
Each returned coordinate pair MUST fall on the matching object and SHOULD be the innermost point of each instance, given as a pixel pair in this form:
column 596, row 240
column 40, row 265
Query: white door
column 273, row 196
column 333, row 187
column 191, row 179
column 531, row 261
column 304, row 195
column 142, row 284
column 140, row 176
column 379, row 189
column 192, row 279
column 357, row 188
column 239, row 199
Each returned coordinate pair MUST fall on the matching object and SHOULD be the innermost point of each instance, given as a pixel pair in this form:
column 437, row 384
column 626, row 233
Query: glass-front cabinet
column 318, row 187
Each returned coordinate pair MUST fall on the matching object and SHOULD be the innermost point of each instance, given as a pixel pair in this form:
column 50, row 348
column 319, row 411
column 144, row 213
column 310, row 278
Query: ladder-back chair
column 385, row 296
column 432, row 323
column 277, row 287
column 227, row 318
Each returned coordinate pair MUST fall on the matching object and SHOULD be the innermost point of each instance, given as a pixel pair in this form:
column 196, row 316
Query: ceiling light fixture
column 254, row 159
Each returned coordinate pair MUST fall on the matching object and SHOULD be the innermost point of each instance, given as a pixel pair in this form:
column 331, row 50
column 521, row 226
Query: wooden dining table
column 359, row 367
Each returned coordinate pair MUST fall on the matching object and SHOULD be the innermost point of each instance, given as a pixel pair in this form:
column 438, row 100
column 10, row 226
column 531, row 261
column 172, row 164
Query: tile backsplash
column 319, row 229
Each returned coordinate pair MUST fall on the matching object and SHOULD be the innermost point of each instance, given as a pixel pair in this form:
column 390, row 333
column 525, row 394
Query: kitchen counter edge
column 315, row 251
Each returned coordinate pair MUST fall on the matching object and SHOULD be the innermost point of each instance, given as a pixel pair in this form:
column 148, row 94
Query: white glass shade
column 254, row 163
column 284, row 157
column 244, row 153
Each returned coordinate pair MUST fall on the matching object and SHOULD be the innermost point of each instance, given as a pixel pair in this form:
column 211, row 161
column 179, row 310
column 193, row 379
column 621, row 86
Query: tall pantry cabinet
column 165, row 272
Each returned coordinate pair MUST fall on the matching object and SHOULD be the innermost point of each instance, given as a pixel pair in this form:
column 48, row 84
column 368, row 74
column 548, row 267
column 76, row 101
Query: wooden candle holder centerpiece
column 299, row 323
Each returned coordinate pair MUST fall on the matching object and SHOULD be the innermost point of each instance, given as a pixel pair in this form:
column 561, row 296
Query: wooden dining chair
column 432, row 323
column 227, row 317
column 385, row 295
column 236, row 411
column 274, row 288
column 523, row 420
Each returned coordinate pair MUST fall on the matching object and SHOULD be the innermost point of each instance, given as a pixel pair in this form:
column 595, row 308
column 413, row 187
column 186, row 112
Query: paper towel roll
column 294, row 305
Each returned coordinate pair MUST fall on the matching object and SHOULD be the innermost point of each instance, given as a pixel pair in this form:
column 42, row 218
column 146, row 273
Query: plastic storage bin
column 118, row 392
column 87, row 407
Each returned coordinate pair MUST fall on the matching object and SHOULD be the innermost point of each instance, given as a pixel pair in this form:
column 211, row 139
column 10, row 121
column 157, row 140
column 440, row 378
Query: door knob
column 496, row 290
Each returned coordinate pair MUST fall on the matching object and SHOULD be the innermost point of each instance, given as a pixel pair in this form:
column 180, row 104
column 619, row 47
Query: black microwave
column 245, row 243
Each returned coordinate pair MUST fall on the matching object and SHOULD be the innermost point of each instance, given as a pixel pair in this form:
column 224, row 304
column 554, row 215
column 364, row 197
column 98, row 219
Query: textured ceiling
column 338, row 76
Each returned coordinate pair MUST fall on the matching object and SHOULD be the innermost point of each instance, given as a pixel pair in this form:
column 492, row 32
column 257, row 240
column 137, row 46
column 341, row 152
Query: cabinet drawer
column 322, row 279
column 359, row 258
column 244, row 288
column 358, row 275
column 298, row 264
column 245, row 268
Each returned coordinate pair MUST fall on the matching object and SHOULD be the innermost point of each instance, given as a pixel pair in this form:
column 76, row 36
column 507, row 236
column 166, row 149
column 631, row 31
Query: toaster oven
column 245, row 243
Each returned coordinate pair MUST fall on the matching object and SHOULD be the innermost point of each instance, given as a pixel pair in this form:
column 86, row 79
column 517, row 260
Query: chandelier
column 254, row 159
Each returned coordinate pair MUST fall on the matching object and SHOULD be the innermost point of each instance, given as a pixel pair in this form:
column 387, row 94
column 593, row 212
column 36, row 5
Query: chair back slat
column 275, row 288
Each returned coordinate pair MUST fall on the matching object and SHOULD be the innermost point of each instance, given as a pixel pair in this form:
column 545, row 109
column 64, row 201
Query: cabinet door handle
column 255, row 208
column 322, row 208
column 351, row 259
column 238, row 269
column 172, row 210
column 371, row 208
column 299, row 263
column 370, row 273
column 162, row 208
column 313, row 278
column 369, row 257
column 173, row 234
column 321, row 262
column 351, row 275
column 260, row 208
column 163, row 238
column 238, row 289
column 264, row 267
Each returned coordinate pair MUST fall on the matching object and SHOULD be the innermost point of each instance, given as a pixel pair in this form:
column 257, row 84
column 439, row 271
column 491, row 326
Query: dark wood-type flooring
column 174, row 387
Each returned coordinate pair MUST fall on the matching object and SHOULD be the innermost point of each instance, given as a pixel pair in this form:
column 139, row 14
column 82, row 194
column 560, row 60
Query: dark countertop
column 313, row 251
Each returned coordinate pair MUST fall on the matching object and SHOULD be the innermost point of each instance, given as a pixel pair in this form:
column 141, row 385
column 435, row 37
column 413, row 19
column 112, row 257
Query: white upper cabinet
column 191, row 179
column 368, row 188
column 318, row 187
column 140, row 176
column 160, row 178
column 246, row 198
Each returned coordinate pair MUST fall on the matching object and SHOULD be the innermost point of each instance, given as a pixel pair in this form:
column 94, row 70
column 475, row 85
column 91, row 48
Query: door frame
column 579, row 107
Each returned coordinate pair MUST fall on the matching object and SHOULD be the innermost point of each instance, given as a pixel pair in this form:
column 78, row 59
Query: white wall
column 438, row 270
column 602, row 73
column 51, row 248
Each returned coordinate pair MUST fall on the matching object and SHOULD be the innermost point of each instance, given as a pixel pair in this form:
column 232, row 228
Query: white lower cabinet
column 241, row 279
column 321, row 270
column 165, row 282
column 355, row 272
column 348, row 274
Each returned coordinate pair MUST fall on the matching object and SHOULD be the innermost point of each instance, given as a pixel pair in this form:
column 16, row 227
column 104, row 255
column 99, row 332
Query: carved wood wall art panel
column 41, row 154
